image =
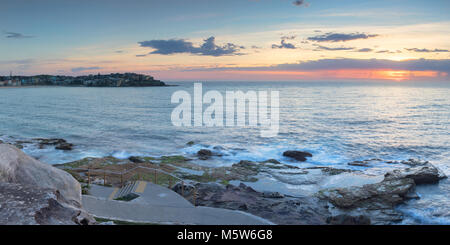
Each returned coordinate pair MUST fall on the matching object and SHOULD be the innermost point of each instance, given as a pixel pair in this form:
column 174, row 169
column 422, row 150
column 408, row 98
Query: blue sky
column 43, row 36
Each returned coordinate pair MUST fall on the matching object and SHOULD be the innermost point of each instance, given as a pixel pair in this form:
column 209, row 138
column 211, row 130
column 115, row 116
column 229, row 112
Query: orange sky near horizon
column 352, row 74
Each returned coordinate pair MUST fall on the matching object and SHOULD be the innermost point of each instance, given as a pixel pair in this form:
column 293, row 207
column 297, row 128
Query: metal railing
column 124, row 178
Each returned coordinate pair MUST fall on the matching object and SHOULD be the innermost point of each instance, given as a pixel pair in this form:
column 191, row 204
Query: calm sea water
column 337, row 122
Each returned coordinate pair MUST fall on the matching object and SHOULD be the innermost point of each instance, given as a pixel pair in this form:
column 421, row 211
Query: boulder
column 378, row 201
column 17, row 167
column 297, row 155
column 136, row 159
column 30, row 205
column 384, row 194
column 204, row 154
column 34, row 184
column 422, row 174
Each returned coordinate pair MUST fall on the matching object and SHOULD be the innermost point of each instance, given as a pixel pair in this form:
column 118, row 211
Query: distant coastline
column 109, row 80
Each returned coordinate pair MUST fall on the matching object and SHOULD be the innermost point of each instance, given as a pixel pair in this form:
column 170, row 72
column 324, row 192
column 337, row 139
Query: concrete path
column 157, row 204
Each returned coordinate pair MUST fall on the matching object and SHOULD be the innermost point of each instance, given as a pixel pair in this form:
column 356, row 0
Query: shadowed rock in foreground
column 32, row 192
column 273, row 206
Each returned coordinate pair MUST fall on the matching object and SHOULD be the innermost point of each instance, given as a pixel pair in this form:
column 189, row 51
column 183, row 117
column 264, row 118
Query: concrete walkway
column 160, row 205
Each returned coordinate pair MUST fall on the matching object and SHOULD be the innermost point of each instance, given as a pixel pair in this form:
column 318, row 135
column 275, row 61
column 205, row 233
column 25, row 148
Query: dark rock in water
column 281, row 210
column 136, row 159
column 423, row 174
column 204, row 154
column 64, row 147
column 359, row 163
column 60, row 144
column 272, row 161
column 297, row 155
column 344, row 219
column 190, row 143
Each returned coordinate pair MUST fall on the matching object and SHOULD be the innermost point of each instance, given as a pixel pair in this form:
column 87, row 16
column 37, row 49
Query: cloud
column 320, row 48
column 177, row 46
column 15, row 35
column 301, row 3
column 288, row 37
column 364, row 50
column 424, row 50
column 285, row 44
column 78, row 69
column 141, row 55
column 388, row 52
column 340, row 37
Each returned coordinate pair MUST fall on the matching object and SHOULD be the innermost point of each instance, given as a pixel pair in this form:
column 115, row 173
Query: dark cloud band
column 15, row 35
column 338, row 64
column 78, row 69
column 340, row 37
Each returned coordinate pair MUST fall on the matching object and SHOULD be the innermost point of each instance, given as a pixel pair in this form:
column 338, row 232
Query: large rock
column 30, row 175
column 386, row 193
column 30, row 205
column 17, row 167
column 378, row 201
column 297, row 155
column 204, row 154
column 422, row 174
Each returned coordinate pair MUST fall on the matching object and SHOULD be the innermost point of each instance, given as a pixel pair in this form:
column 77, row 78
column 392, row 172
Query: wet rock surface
column 278, row 209
column 297, row 155
column 378, row 201
column 425, row 173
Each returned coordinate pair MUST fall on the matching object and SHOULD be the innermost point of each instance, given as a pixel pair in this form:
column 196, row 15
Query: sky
column 233, row 40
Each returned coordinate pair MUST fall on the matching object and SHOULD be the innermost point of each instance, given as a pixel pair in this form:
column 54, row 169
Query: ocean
column 338, row 122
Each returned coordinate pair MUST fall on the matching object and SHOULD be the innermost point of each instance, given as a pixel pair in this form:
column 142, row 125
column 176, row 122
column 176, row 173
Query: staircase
column 127, row 189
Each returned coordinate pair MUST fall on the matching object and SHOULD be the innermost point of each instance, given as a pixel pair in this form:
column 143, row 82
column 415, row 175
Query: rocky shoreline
column 334, row 196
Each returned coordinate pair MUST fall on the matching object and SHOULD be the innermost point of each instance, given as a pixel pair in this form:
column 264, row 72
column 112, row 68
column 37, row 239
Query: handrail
column 194, row 194
column 125, row 171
